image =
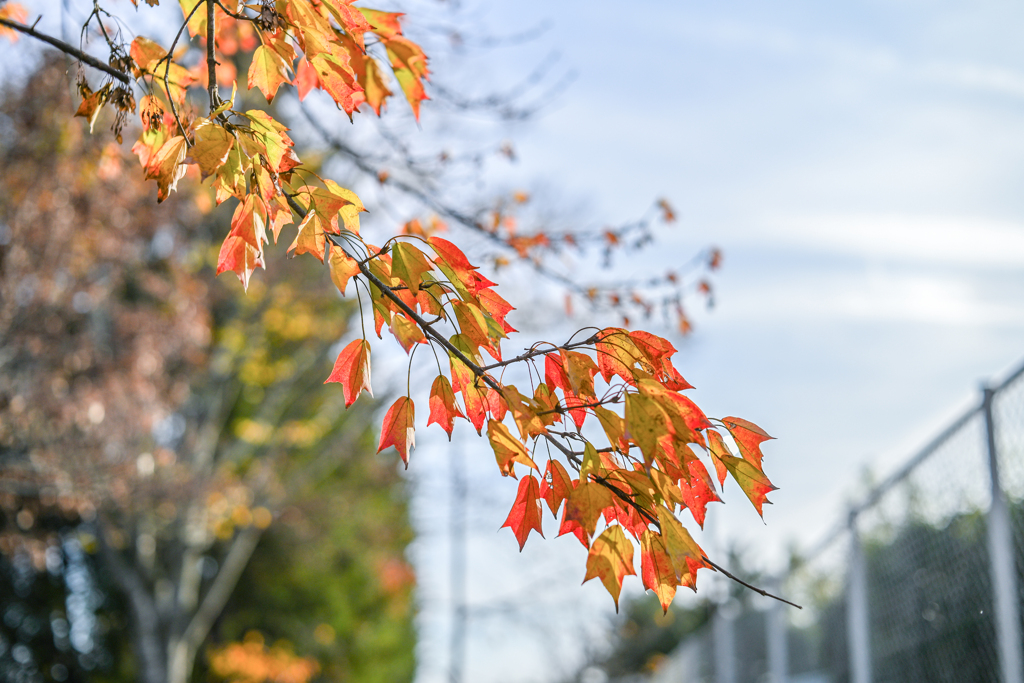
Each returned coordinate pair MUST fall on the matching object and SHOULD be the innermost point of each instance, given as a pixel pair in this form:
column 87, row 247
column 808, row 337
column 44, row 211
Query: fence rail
column 922, row 581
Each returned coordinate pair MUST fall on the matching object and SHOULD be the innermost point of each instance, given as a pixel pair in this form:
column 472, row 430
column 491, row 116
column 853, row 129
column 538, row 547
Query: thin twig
column 68, row 49
column 740, row 581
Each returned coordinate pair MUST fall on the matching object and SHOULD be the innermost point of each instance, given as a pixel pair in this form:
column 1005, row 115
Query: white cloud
column 940, row 240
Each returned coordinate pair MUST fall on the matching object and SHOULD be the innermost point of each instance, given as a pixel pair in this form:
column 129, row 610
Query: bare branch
column 68, row 49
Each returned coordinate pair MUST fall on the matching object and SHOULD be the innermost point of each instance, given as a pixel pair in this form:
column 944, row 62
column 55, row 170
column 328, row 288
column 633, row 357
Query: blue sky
column 860, row 164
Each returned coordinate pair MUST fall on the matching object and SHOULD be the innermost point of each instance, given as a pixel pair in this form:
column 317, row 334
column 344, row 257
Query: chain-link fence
column 922, row 583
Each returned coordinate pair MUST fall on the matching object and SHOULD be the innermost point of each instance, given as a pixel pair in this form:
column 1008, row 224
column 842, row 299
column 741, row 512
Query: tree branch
column 68, row 49
column 743, row 583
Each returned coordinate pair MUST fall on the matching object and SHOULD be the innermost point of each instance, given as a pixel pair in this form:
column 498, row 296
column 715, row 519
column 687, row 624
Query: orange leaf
column 398, row 430
column 647, row 422
column 443, row 409
column 508, row 450
column 556, row 486
column 168, row 166
column 311, row 237
column 571, row 526
column 580, row 369
column 305, row 79
column 656, row 569
column 406, row 332
column 212, row 145
column 717, row 448
column 238, row 256
column 753, row 482
column 748, row 437
column 408, row 264
column 686, row 556
column 384, row 24
column 525, row 515
column 268, row 71
column 342, row 268
column 586, row 503
column 352, row 369
column 611, row 559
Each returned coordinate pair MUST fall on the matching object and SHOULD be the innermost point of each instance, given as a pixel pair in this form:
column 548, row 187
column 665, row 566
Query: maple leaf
column 647, row 422
column 311, row 237
column 384, row 24
column 406, row 332
column 464, row 382
column 168, row 166
column 556, row 486
column 508, row 450
column 305, row 79
column 343, row 268
column 352, row 370
column 717, row 448
column 656, row 569
column 748, row 437
column 752, row 480
column 586, row 503
column 686, row 556
column 611, row 559
column 443, row 409
column 267, row 71
column 525, row 515
column 275, row 138
column 398, row 429
column 213, row 144
column 409, row 264
column 240, row 257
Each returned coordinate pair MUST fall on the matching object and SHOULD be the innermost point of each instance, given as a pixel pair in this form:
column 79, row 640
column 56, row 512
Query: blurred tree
column 146, row 446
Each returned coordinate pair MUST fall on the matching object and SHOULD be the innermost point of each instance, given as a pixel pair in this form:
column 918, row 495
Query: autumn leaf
column 752, row 480
column 749, row 438
column 268, row 71
column 406, row 332
column 647, row 422
column 352, row 370
column 508, row 450
column 409, row 264
column 212, row 145
column 92, row 103
column 611, row 559
column 398, row 429
column 167, row 166
column 343, row 268
column 443, row 408
column 525, row 515
column 717, row 448
column 240, row 257
column 556, row 486
column 656, row 569
column 686, row 556
column 586, row 503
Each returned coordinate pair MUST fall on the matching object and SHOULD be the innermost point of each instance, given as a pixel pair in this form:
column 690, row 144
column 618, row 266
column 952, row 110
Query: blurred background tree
column 154, row 461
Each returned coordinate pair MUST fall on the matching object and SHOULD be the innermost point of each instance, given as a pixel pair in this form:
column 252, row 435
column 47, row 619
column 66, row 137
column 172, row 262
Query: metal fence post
column 1000, row 550
column 778, row 653
column 858, row 635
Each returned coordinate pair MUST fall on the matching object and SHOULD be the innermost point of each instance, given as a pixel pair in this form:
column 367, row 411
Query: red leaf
column 753, row 482
column 748, row 437
column 556, row 486
column 526, row 511
column 352, row 369
column 611, row 559
column 656, row 569
column 398, row 430
column 443, row 409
